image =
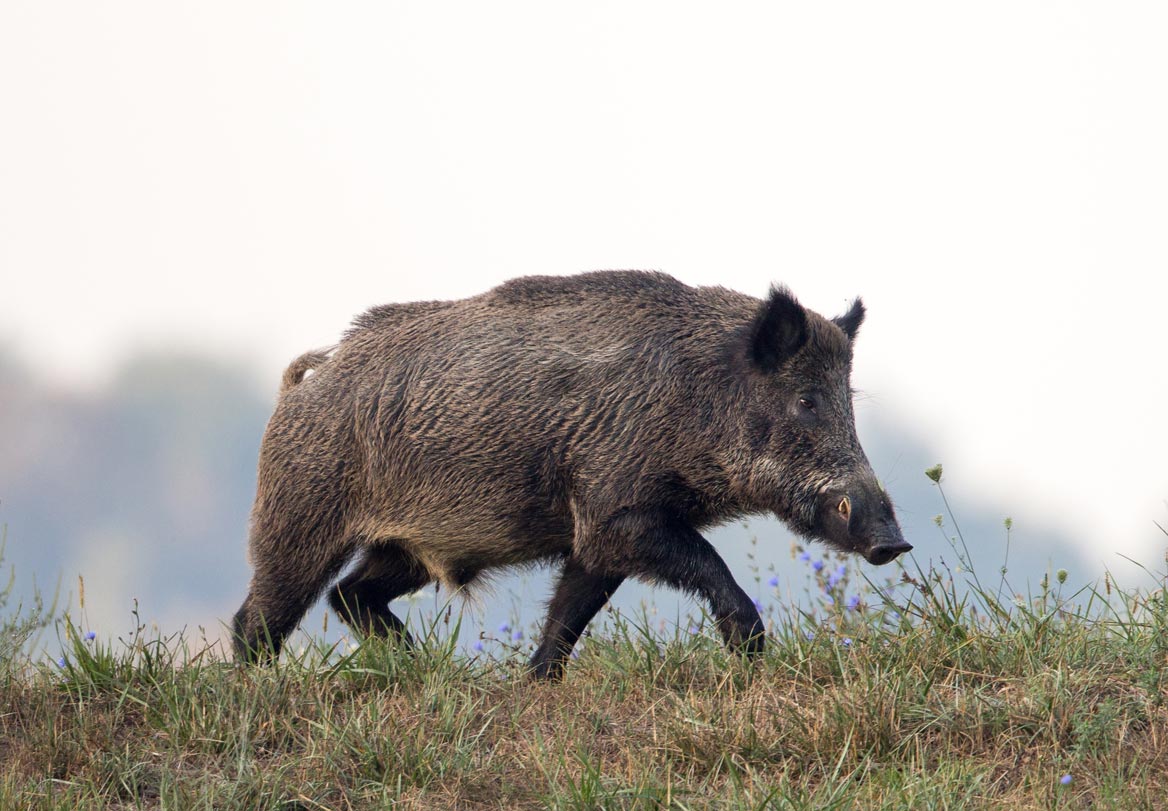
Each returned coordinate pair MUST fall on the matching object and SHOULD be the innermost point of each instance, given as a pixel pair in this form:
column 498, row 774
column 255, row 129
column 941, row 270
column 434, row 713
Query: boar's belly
column 456, row 544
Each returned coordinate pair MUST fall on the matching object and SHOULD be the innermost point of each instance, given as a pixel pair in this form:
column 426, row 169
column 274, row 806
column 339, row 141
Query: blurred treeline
column 143, row 486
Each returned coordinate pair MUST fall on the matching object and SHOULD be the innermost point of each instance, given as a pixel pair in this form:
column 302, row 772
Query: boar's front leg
column 579, row 595
column 659, row 547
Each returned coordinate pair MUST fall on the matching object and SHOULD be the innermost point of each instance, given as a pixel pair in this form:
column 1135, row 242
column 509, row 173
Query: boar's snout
column 861, row 520
column 886, row 552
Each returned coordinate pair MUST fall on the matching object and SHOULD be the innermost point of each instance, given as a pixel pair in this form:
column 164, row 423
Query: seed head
column 934, row 473
column 1061, row 575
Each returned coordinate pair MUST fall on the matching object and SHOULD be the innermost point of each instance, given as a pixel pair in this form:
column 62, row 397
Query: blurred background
column 191, row 196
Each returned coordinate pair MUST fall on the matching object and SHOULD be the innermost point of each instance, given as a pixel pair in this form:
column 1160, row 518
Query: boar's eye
column 804, row 408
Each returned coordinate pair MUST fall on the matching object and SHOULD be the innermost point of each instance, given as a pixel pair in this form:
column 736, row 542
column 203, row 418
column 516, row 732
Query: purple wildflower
column 810, row 635
column 757, row 604
column 518, row 635
column 478, row 645
column 90, row 636
column 1065, row 779
column 804, row 556
column 504, row 628
column 846, row 642
column 62, row 663
column 773, row 582
column 854, row 602
column 817, row 565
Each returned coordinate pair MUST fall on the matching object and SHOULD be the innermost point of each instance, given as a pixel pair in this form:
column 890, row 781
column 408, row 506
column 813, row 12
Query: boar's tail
column 299, row 367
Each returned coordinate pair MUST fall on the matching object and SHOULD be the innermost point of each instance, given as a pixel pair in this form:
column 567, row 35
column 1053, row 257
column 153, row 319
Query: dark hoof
column 545, row 671
column 748, row 638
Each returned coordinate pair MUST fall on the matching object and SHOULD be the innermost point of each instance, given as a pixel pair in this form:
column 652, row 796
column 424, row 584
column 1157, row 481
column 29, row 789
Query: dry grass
column 943, row 711
column 931, row 694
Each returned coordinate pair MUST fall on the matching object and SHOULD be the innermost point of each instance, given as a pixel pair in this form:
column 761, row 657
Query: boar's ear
column 850, row 321
column 778, row 331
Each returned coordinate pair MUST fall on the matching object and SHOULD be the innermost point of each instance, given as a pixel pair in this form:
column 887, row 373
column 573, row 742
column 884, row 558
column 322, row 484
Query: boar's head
column 804, row 461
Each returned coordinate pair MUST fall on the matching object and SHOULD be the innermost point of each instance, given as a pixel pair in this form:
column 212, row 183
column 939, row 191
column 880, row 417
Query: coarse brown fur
column 601, row 420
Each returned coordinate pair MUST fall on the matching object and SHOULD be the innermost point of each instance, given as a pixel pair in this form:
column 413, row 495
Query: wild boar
column 600, row 421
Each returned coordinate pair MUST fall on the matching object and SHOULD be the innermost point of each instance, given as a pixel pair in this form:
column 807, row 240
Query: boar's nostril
column 845, row 508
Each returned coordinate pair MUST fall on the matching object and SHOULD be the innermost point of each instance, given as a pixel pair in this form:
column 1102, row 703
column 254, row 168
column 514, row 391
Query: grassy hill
column 929, row 690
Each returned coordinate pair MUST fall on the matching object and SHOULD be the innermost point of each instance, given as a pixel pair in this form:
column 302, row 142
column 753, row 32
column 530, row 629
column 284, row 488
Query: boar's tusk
column 845, row 508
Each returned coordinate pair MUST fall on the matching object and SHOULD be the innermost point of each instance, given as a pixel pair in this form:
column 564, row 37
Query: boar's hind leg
column 283, row 588
column 362, row 598
column 657, row 547
column 579, row 595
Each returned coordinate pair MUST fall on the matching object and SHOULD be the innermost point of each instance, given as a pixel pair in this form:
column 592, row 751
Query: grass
column 932, row 691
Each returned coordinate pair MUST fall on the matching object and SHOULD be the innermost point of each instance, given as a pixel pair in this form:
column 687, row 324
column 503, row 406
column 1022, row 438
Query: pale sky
column 242, row 178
